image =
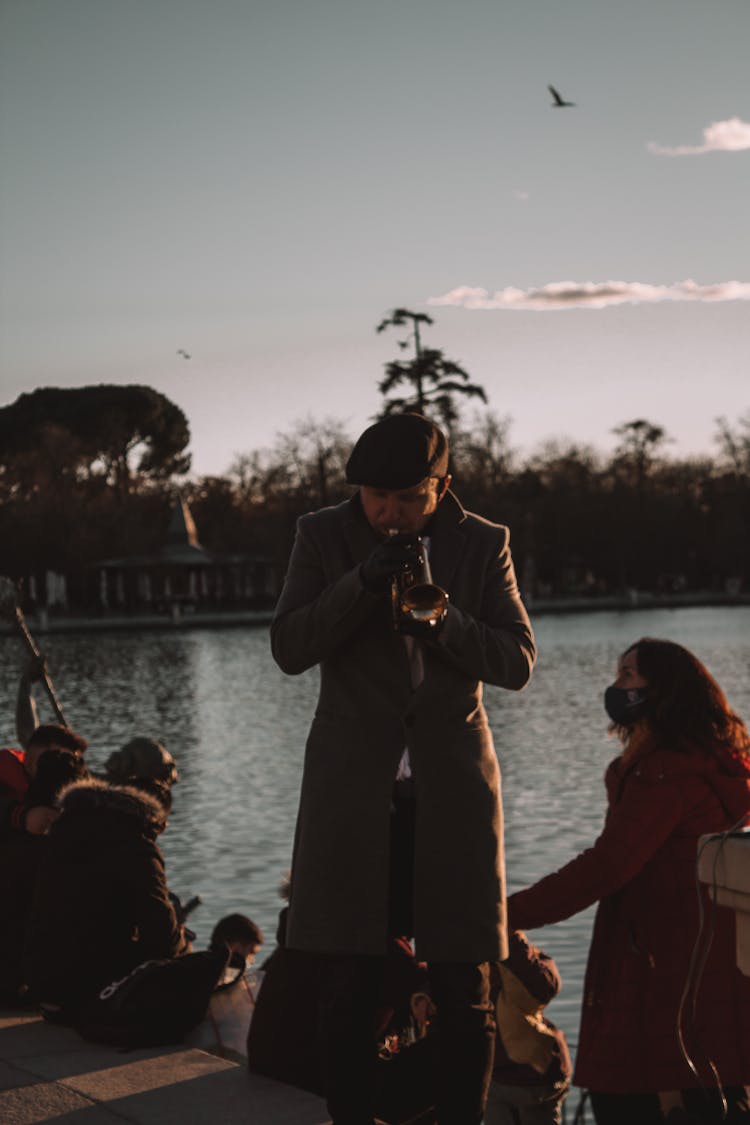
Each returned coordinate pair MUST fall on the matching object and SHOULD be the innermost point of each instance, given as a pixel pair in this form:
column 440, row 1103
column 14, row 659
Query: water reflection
column 237, row 727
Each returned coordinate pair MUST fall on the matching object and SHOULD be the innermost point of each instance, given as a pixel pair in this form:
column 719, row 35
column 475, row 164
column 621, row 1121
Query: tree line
column 582, row 523
column 90, row 473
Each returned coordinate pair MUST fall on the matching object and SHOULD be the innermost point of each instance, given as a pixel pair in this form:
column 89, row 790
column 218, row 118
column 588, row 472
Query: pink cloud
column 732, row 135
column 590, row 295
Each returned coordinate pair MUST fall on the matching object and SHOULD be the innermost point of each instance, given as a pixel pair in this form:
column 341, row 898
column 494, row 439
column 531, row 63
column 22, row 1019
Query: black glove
column 387, row 560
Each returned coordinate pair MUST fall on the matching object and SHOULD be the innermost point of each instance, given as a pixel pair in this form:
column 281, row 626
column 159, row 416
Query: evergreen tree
column 433, row 383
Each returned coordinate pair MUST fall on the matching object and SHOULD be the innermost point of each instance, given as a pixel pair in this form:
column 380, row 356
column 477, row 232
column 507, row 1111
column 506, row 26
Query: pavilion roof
column 180, row 548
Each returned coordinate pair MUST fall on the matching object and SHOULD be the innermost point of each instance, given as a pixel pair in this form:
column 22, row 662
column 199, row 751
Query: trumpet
column 419, row 606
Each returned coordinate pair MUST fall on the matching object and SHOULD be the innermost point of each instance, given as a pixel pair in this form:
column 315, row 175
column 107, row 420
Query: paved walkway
column 49, row 1074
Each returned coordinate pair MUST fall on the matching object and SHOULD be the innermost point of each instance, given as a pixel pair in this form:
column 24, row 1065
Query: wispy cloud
column 591, row 295
column 732, row 135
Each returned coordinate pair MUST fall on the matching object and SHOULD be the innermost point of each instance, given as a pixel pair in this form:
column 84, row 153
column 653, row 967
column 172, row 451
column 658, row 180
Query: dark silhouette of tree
column 734, row 444
column 77, row 486
column 399, row 317
column 435, row 382
column 638, row 446
column 732, row 495
column 117, row 432
column 316, row 454
column 483, row 460
column 304, row 469
column 559, row 502
column 308, row 464
column 632, row 466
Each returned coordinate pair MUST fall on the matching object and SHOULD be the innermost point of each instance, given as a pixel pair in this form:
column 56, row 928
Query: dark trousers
column 351, row 986
column 466, row 1040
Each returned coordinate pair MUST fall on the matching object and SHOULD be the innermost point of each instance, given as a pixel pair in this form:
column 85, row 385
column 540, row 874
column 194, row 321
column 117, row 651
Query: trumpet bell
column 421, row 609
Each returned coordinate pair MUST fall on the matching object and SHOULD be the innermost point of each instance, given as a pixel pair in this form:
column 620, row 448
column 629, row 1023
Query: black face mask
column 626, row 705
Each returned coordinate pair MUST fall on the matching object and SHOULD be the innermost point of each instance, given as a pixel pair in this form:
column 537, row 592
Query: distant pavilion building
column 185, row 575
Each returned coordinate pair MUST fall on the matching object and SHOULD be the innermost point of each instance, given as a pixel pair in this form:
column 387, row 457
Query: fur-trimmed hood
column 94, row 796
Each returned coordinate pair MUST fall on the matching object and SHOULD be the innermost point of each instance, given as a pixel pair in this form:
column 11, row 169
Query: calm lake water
column 237, row 727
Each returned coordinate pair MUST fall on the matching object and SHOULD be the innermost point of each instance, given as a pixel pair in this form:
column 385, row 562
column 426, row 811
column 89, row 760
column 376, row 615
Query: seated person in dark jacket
column 531, row 1071
column 20, row 854
column 101, row 905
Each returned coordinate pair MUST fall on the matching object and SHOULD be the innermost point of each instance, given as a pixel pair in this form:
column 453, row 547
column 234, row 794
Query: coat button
column 410, row 719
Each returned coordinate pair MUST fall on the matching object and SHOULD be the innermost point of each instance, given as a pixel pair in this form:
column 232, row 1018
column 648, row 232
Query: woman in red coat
column 684, row 771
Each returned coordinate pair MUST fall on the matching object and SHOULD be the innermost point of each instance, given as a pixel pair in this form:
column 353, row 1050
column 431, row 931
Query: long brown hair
column 688, row 708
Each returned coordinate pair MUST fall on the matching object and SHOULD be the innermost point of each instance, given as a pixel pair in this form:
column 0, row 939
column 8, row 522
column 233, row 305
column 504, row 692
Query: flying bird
column 559, row 102
column 183, row 353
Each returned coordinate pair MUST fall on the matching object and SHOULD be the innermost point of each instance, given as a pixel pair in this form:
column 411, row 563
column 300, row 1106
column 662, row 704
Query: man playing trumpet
column 399, row 830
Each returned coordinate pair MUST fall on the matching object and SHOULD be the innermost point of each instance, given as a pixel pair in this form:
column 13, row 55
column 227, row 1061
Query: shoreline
column 43, row 624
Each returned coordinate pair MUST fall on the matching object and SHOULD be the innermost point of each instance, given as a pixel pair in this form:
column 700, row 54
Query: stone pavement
column 49, row 1074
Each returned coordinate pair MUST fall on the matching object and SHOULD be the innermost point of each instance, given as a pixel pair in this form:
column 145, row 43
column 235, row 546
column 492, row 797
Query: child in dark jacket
column 531, row 1072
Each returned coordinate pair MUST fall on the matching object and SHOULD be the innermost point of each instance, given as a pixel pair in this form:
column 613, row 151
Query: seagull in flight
column 183, row 353
column 559, row 102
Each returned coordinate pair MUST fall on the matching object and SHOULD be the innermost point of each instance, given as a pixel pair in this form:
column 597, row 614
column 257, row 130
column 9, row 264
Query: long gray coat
column 368, row 712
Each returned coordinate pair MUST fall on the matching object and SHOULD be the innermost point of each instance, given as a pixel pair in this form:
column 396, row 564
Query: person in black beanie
column 400, row 821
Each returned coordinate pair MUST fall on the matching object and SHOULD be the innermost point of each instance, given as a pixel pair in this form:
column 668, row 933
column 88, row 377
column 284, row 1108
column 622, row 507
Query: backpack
column 158, row 1003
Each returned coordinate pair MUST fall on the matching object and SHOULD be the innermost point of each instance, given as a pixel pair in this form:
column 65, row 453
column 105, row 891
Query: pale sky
column 258, row 183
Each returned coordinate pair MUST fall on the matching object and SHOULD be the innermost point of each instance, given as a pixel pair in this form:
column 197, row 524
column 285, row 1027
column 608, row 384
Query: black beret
column 398, row 452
